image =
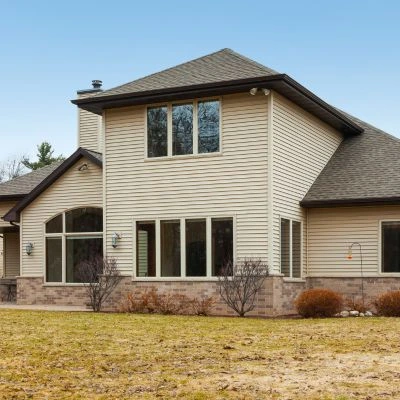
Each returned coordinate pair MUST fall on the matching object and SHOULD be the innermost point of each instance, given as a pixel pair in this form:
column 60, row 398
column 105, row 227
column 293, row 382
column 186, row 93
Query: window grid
column 169, row 106
column 64, row 235
column 183, row 254
column 291, row 247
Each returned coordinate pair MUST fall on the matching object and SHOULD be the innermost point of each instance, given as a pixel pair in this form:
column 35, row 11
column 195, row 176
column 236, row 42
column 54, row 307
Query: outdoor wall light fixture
column 114, row 239
column 83, row 167
column 29, row 248
column 253, row 91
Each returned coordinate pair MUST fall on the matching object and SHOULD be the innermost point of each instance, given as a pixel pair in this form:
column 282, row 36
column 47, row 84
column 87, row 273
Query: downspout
column 270, row 183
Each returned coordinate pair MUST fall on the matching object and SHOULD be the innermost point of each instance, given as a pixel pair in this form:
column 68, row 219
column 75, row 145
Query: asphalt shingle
column 365, row 168
column 223, row 65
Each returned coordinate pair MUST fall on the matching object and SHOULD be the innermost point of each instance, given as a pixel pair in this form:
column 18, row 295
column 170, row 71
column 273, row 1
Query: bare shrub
column 100, row 276
column 388, row 304
column 239, row 284
column 319, row 303
column 172, row 303
column 353, row 304
column 202, row 306
column 150, row 301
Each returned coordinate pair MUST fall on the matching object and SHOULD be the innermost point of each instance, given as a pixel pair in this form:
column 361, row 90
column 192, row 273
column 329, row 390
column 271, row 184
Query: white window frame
column 380, row 248
column 291, row 220
column 195, row 153
column 157, row 221
column 64, row 235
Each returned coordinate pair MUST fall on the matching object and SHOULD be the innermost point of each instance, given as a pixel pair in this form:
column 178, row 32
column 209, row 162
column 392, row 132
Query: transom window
column 390, row 247
column 196, row 247
column 183, row 128
column 290, row 248
column 72, row 237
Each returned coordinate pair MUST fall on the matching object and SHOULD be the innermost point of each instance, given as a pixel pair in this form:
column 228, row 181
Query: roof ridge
column 164, row 70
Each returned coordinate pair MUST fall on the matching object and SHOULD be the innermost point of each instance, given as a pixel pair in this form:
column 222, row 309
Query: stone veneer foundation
column 275, row 299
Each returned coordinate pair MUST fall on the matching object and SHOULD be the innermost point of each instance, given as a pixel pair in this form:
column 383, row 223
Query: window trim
column 63, row 235
column 380, row 248
column 195, row 153
column 291, row 220
column 183, row 220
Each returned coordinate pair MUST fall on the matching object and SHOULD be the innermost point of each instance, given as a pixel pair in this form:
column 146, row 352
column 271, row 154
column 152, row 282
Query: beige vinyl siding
column 231, row 184
column 74, row 189
column 332, row 230
column 302, row 145
column 89, row 129
column 5, row 207
column 11, row 255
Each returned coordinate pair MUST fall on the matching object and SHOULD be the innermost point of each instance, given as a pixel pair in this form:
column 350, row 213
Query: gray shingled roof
column 223, row 65
column 364, row 169
column 24, row 184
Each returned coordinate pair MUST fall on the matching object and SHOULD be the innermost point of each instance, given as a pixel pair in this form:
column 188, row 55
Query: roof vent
column 97, row 84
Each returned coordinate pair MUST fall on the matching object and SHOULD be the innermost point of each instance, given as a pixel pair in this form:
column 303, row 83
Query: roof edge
column 14, row 214
column 11, row 197
column 371, row 201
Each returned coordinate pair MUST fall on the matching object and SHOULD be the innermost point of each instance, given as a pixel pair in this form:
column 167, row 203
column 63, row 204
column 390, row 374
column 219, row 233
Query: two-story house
column 213, row 160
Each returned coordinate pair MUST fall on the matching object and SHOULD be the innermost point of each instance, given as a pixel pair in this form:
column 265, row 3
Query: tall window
column 72, row 237
column 197, row 247
column 390, row 247
column 190, row 128
column 290, row 248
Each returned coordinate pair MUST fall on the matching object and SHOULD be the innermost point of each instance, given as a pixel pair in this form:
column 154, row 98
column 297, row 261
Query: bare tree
column 100, row 276
column 12, row 168
column 239, row 284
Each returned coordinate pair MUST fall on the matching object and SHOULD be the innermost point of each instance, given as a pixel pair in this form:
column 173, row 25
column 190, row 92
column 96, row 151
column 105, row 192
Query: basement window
column 183, row 128
column 290, row 248
column 390, row 246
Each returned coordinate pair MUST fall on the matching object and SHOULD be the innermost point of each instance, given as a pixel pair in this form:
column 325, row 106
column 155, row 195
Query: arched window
column 72, row 237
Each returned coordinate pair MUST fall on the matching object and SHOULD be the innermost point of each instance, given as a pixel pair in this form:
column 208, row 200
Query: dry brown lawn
column 49, row 355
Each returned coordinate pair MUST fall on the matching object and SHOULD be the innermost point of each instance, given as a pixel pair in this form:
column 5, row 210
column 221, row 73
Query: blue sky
column 347, row 52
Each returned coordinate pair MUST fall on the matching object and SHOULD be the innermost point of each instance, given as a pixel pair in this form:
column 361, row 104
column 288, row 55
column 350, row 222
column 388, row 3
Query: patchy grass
column 48, row 355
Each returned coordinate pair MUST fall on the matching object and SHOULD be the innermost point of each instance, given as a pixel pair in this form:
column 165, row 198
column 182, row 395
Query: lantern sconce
column 29, row 248
column 114, row 239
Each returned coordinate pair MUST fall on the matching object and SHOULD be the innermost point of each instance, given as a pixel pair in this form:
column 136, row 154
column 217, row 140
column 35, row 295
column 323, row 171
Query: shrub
column 388, row 304
column 239, row 284
column 150, row 301
column 202, row 306
column 318, row 303
column 353, row 304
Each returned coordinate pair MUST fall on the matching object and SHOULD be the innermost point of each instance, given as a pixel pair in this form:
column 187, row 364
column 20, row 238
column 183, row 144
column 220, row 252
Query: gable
column 94, row 158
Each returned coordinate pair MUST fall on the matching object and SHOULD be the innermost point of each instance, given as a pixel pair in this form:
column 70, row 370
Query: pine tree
column 44, row 155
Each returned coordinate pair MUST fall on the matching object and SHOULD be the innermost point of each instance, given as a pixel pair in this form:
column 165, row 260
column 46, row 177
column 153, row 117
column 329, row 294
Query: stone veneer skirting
column 275, row 299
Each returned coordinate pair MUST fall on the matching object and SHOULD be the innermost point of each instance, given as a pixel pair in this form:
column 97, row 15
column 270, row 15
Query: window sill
column 183, row 157
column 288, row 279
column 58, row 284
column 177, row 279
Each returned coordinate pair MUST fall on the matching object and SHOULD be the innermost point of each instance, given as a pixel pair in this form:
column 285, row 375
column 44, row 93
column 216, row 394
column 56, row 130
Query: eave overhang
column 281, row 83
column 368, row 201
column 14, row 214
